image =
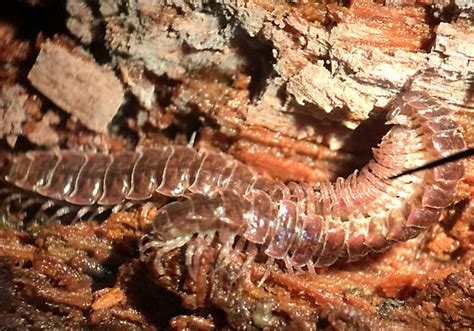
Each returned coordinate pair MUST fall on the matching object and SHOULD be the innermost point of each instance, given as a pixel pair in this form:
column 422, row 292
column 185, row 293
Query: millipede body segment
column 222, row 199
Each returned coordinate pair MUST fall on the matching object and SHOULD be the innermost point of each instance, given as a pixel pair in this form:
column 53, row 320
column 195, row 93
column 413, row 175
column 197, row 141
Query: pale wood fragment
column 107, row 297
column 12, row 110
column 77, row 84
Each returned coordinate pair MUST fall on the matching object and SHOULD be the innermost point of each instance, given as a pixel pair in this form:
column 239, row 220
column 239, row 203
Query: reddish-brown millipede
column 224, row 200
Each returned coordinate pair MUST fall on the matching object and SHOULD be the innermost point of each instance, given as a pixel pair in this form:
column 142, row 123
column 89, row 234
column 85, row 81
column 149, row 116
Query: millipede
column 218, row 198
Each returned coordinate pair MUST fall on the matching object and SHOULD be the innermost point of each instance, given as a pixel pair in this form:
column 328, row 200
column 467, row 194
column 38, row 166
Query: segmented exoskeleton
column 224, row 200
column 317, row 226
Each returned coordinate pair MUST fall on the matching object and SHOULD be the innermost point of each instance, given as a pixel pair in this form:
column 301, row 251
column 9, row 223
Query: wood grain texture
column 77, row 85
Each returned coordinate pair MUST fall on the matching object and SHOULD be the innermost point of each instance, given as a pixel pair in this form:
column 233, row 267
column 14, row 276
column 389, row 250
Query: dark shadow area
column 49, row 17
column 358, row 142
column 259, row 58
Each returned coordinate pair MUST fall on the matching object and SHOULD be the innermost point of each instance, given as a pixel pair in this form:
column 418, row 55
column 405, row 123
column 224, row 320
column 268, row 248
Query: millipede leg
column 48, row 204
column 310, row 266
column 288, row 265
column 117, row 208
column 100, row 210
column 167, row 247
column 251, row 254
column 239, row 246
column 268, row 266
column 60, row 212
column 31, row 202
column 128, row 205
column 82, row 212
column 224, row 257
column 201, row 243
column 188, row 258
column 13, row 197
column 145, row 245
column 237, row 250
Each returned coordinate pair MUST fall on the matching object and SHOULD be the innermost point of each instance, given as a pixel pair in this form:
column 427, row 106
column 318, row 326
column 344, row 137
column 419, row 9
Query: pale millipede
column 224, row 200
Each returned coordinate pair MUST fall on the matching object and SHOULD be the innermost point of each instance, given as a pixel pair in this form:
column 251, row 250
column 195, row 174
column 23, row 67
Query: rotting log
column 297, row 85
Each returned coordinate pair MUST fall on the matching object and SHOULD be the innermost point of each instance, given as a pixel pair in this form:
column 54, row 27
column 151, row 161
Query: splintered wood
column 298, row 90
column 77, row 84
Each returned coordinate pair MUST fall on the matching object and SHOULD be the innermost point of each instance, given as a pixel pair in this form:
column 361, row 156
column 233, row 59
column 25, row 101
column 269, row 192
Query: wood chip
column 77, row 84
column 108, row 298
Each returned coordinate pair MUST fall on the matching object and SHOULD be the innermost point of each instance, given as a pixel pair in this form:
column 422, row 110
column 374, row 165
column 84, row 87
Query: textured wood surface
column 77, row 85
column 297, row 89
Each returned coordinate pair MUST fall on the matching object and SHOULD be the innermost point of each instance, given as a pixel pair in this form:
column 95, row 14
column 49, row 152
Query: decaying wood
column 77, row 85
column 12, row 110
column 311, row 71
column 297, row 89
column 347, row 69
